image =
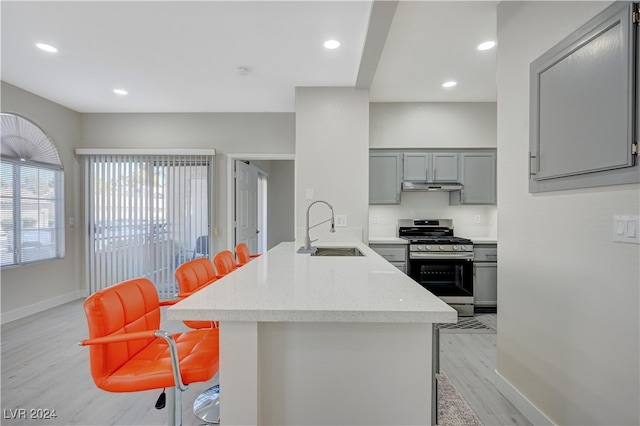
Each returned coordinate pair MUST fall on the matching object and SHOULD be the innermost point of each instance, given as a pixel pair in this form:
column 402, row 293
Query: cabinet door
column 478, row 175
column 445, row 166
column 391, row 252
column 384, row 177
column 416, row 166
column 485, row 284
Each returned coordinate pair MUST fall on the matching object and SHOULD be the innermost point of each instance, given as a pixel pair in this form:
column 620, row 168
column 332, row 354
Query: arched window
column 32, row 194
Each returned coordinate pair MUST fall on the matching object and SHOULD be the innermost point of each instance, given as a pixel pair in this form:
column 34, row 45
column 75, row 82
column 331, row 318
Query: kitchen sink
column 337, row 251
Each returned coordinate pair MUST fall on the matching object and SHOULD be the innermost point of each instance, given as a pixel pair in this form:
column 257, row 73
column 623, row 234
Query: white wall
column 568, row 323
column 433, row 125
column 228, row 133
column 281, row 206
column 332, row 159
column 32, row 288
column 280, row 203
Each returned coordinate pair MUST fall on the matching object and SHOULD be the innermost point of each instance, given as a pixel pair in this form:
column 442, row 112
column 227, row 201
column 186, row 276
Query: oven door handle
column 443, row 256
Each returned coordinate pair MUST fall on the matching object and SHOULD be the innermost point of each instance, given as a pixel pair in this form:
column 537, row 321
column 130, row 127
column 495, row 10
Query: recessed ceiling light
column 449, row 84
column 120, row 92
column 46, row 47
column 331, row 44
column 486, row 45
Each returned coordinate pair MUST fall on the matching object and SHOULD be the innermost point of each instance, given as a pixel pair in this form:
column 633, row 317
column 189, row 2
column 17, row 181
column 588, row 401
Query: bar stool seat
column 129, row 353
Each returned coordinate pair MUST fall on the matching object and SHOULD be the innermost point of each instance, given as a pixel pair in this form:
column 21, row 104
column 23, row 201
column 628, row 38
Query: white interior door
column 246, row 221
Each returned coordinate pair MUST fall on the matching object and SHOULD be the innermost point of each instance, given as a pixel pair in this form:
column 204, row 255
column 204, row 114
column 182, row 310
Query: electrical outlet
column 476, row 218
column 309, row 194
column 376, row 218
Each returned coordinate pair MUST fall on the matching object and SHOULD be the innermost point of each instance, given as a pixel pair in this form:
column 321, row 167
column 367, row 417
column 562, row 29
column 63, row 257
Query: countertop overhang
column 285, row 286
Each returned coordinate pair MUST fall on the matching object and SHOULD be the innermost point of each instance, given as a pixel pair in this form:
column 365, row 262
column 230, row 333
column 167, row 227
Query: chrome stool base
column 206, row 407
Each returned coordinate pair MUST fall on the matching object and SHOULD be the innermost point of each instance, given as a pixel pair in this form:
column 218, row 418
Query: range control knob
column 441, row 248
column 420, row 248
column 428, row 248
column 462, row 248
column 455, row 248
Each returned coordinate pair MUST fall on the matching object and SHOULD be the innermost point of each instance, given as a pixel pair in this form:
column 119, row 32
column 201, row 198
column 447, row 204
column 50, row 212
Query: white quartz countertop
column 387, row 240
column 282, row 285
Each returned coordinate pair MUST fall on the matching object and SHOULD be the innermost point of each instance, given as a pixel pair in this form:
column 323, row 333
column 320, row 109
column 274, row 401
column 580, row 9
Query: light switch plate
column 309, row 195
column 341, row 220
column 626, row 229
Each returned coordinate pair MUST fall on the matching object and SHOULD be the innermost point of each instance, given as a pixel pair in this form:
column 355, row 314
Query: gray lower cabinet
column 478, row 177
column 396, row 254
column 485, row 275
column 385, row 175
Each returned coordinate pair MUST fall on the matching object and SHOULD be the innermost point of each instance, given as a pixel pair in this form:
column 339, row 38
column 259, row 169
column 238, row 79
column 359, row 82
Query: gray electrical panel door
column 582, row 105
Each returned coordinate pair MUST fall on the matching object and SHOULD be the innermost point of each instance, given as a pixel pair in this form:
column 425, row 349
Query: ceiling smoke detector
column 242, row 71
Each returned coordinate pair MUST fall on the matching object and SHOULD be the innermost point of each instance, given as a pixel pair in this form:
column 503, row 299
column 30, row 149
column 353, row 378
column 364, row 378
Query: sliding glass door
column 147, row 214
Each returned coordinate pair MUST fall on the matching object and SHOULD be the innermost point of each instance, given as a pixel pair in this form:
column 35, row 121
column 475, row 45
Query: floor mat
column 453, row 410
column 466, row 325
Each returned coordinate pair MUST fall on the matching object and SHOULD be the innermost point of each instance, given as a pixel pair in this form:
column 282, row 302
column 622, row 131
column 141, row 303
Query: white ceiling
column 181, row 56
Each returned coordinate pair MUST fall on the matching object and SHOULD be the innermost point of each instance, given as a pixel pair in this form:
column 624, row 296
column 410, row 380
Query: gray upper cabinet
column 582, row 106
column 385, row 175
column 478, row 177
column 431, row 166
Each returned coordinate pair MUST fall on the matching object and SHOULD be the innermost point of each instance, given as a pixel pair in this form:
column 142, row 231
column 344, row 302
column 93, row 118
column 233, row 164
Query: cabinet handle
column 531, row 157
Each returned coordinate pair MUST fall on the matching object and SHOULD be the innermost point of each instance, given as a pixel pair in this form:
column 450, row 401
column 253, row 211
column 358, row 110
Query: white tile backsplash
column 323, row 235
column 433, row 205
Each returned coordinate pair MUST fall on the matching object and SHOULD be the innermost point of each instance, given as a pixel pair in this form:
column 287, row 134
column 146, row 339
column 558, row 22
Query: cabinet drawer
column 485, row 253
column 402, row 266
column 393, row 253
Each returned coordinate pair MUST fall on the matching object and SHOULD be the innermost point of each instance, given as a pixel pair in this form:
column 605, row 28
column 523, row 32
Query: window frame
column 17, row 227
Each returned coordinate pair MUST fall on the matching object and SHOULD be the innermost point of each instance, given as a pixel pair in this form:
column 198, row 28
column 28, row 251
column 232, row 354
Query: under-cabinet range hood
column 430, row 186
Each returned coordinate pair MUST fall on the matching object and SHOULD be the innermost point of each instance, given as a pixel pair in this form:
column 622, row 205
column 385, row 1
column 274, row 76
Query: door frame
column 231, row 193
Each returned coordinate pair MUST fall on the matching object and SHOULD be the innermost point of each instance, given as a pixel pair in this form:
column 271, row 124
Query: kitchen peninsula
column 321, row 340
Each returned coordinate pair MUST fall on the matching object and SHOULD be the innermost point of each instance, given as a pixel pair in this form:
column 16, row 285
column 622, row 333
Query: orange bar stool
column 225, row 262
column 193, row 276
column 129, row 353
column 243, row 255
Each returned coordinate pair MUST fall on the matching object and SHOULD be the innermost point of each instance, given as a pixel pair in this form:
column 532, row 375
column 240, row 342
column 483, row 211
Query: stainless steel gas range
column 439, row 261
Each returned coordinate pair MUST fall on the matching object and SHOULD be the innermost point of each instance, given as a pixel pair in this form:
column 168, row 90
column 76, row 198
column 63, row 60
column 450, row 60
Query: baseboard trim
column 526, row 407
column 25, row 311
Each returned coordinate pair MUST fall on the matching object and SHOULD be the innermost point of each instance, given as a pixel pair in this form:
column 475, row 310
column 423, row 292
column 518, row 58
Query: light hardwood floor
column 469, row 361
column 44, row 368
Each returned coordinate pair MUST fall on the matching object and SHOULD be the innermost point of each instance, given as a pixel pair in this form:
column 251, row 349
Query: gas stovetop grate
column 438, row 240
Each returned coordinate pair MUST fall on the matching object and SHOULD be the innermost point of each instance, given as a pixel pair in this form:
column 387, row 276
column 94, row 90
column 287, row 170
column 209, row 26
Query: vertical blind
column 147, row 214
